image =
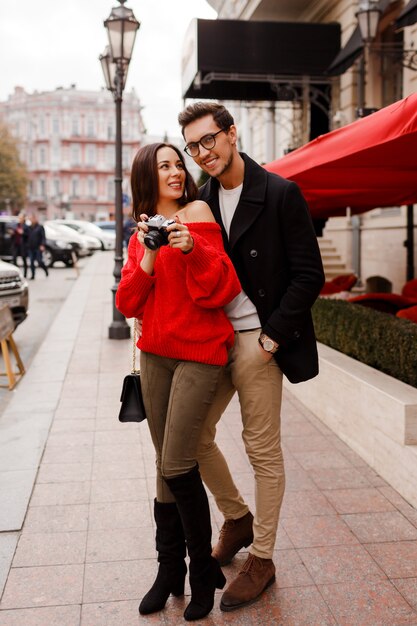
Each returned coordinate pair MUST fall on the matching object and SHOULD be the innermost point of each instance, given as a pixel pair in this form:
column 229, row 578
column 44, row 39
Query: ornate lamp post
column 121, row 28
column 368, row 15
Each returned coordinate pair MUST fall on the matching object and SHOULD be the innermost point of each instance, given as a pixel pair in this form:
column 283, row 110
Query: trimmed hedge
column 383, row 341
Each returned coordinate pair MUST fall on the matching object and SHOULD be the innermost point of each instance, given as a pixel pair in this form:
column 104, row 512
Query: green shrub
column 383, row 341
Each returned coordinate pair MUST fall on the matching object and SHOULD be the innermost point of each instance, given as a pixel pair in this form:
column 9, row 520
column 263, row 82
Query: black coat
column 36, row 236
column 274, row 249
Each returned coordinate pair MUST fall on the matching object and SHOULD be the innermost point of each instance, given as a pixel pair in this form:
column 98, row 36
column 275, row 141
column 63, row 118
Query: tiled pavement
column 346, row 552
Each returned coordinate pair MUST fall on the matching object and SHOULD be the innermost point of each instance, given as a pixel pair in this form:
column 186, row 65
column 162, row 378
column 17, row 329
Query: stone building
column 67, row 141
column 359, row 79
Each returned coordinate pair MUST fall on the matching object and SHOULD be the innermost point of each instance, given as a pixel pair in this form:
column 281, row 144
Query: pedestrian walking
column 177, row 279
column 19, row 242
column 36, row 245
column 129, row 227
column 269, row 236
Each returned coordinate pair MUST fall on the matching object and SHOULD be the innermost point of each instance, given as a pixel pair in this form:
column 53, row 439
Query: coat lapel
column 251, row 202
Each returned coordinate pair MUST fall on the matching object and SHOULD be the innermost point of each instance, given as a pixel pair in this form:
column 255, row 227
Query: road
column 46, row 295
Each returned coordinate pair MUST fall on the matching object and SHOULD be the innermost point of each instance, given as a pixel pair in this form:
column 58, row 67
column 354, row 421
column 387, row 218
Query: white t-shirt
column 241, row 311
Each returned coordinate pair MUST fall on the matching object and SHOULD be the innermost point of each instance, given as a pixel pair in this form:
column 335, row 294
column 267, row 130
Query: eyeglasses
column 208, row 142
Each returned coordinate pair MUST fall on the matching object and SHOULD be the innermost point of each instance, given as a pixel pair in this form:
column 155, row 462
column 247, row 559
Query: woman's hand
column 148, row 260
column 142, row 230
column 180, row 237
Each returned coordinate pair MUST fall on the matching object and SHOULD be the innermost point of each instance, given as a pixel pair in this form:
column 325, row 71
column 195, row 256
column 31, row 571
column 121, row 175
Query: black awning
column 348, row 55
column 243, row 60
column 408, row 15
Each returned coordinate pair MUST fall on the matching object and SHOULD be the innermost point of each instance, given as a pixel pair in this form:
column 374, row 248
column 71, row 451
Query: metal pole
column 361, row 84
column 409, row 242
column 119, row 328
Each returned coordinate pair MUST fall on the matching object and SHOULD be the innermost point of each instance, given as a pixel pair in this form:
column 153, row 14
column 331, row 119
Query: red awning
column 369, row 163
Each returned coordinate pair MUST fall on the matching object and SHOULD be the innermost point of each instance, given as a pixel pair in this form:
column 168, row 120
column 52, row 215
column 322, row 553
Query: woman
column 178, row 287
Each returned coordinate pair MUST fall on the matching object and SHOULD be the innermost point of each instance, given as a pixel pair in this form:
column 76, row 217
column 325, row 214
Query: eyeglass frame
column 198, row 143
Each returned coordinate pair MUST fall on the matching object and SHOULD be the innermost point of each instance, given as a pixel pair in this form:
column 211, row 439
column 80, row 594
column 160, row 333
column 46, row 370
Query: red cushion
column 386, row 302
column 410, row 289
column 344, row 282
column 410, row 313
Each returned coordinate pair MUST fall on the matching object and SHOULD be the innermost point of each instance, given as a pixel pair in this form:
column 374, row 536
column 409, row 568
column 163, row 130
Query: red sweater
column 181, row 303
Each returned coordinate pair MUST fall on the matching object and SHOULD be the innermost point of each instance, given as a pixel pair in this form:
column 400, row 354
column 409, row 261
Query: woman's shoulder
column 197, row 211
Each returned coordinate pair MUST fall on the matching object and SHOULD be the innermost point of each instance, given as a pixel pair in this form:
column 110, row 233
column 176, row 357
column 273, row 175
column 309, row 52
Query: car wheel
column 69, row 263
column 47, row 257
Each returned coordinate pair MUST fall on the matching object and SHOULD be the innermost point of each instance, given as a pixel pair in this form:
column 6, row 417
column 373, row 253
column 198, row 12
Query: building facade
column 67, row 141
column 363, row 78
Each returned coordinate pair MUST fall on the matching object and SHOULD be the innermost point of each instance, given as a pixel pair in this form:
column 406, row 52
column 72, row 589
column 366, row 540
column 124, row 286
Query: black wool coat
column 274, row 249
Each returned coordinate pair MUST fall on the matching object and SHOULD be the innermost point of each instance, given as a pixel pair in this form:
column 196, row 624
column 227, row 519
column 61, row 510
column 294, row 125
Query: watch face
column 268, row 344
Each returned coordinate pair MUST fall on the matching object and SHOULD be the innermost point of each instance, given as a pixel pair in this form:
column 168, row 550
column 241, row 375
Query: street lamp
column 368, row 15
column 121, row 29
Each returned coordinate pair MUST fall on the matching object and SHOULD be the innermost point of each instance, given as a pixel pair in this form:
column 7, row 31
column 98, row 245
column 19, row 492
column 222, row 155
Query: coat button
column 261, row 292
column 254, row 253
column 296, row 334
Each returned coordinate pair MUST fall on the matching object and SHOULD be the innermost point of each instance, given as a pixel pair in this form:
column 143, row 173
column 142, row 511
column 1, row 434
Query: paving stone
column 318, row 530
column 373, row 527
column 43, row 586
column 53, row 616
column 368, row 604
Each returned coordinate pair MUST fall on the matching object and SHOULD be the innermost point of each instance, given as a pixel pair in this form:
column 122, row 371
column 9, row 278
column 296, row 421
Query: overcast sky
column 45, row 44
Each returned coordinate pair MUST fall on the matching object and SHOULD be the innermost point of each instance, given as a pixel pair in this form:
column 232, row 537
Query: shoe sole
column 227, row 608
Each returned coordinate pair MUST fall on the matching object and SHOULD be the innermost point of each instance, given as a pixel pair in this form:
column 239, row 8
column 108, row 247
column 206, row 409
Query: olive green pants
column 177, row 397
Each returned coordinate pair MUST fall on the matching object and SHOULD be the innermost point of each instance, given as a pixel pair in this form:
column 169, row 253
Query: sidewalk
column 76, row 493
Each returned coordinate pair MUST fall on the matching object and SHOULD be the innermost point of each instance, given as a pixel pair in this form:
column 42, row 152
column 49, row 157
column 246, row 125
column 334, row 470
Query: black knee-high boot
column 170, row 545
column 205, row 572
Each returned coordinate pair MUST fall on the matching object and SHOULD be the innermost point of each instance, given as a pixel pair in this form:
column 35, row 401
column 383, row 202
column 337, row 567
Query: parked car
column 85, row 246
column 107, row 238
column 109, row 226
column 57, row 248
column 14, row 291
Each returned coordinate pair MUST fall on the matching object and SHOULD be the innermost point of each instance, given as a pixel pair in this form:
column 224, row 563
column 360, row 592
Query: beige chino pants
column 259, row 387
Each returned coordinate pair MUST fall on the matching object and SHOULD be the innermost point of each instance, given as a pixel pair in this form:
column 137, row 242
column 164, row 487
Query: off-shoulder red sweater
column 181, row 304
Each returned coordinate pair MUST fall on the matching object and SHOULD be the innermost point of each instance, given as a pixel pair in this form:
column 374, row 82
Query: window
column 75, row 154
column 55, row 125
column 110, row 156
column 91, row 155
column 56, row 187
column 42, row 155
column 126, row 157
column 91, row 127
column 42, row 188
column 75, row 186
column 110, row 129
column 110, row 189
column 91, row 187
column 75, row 126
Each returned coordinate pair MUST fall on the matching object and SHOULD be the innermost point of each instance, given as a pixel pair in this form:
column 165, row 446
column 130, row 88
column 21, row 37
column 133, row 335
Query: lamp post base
column 119, row 328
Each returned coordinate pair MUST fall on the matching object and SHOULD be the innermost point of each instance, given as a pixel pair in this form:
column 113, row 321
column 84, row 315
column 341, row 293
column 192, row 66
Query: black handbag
column 132, row 408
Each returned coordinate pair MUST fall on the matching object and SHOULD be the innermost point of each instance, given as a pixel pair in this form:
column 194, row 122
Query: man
column 36, row 245
column 269, row 236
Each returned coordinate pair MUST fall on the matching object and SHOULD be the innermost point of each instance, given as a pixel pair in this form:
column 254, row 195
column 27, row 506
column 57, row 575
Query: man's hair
column 144, row 180
column 192, row 112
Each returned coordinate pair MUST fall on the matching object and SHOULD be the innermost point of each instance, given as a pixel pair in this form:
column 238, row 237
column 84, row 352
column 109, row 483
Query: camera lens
column 153, row 240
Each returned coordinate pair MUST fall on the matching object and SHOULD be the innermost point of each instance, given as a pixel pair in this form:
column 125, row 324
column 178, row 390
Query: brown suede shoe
column 255, row 576
column 235, row 534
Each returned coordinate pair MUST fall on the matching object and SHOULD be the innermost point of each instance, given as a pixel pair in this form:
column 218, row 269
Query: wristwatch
column 268, row 344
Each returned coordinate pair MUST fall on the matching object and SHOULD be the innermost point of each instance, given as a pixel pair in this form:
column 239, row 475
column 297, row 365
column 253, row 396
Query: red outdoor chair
column 410, row 289
column 408, row 314
column 385, row 302
column 344, row 282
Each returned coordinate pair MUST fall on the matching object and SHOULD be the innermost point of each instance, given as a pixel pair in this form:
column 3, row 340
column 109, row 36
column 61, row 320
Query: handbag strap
column 135, row 339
